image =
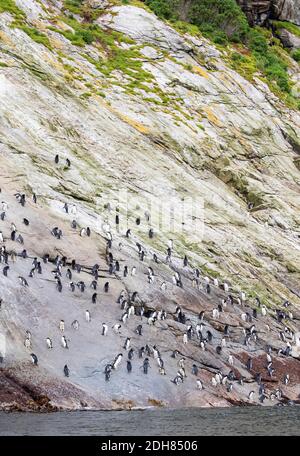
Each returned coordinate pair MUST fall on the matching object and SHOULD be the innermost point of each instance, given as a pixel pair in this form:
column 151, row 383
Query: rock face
column 217, row 158
column 289, row 40
column 259, row 11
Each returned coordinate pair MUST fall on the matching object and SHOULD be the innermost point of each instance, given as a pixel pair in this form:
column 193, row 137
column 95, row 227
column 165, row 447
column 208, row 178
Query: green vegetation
column 256, row 50
column 296, row 55
column 81, row 8
column 34, row 34
column 219, row 19
column 292, row 28
column 268, row 59
column 9, row 6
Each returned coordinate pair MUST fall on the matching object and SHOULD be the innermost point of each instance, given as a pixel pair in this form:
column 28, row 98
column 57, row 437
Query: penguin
column 34, row 359
column 83, row 232
column 117, row 328
column 87, row 316
column 5, row 270
column 226, row 287
column 56, row 159
column 64, row 342
column 201, row 315
column 139, row 330
column 68, row 163
column 25, row 221
column 229, row 387
column 249, row 364
column 151, row 233
column 126, row 343
column 230, row 360
column 214, row 382
column 94, row 284
column 146, row 365
column 130, row 354
column 94, row 298
column 215, row 313
column 106, row 287
column 124, row 317
column 286, row 379
column 27, row 343
column 133, row 271
column 104, row 329
column 160, row 362
column 199, row 384
column 66, row 371
column 62, row 325
column 174, row 354
column 75, row 325
column 1, row 237
column 251, row 395
column 195, row 369
column 218, row 350
column 131, row 310
column 72, row 286
column 185, row 261
column 263, row 310
column 117, row 361
column 209, row 336
column 23, row 281
column 129, row 366
column 49, row 343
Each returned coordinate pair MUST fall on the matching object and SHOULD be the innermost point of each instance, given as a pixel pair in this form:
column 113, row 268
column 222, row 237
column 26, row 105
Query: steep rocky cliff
column 136, row 105
column 259, row 11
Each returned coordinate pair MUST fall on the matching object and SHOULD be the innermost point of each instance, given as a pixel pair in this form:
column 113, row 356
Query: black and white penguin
column 117, row 361
column 49, row 343
column 195, row 369
column 87, row 316
column 117, row 328
column 127, row 343
column 23, row 281
column 249, row 364
column 34, row 359
column 64, row 342
column 139, row 330
column 104, row 329
column 66, row 371
column 56, row 158
column 146, row 365
column 129, row 366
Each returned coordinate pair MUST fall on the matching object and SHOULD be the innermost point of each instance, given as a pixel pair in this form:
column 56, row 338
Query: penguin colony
column 206, row 332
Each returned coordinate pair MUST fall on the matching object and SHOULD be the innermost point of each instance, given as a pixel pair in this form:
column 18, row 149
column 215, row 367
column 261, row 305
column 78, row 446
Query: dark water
column 187, row 422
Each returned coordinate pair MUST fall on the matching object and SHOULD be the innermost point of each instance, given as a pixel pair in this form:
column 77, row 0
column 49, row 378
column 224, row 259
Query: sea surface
column 156, row 422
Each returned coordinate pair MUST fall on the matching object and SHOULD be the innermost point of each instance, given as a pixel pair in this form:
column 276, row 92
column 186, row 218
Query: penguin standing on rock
column 34, row 359
column 66, row 371
column 104, row 329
